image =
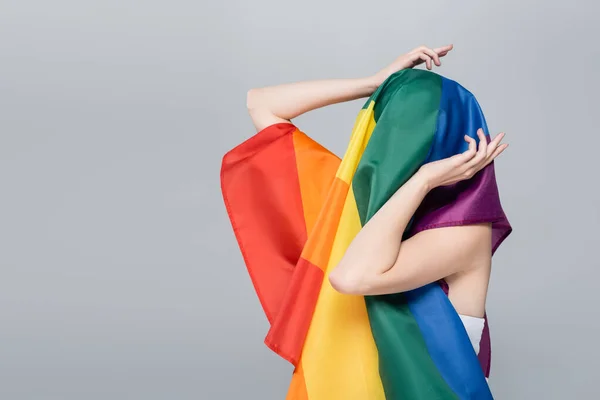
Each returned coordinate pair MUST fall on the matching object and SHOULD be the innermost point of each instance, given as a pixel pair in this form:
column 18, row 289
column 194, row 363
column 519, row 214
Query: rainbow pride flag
column 295, row 207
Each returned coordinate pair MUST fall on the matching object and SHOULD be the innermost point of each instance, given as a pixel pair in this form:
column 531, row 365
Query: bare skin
column 378, row 261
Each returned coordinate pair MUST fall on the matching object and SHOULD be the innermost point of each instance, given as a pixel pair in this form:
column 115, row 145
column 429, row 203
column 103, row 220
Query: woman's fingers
column 495, row 142
column 493, row 146
column 497, row 152
column 468, row 154
column 425, row 58
column 429, row 56
column 481, row 152
column 489, row 151
column 434, row 56
column 483, row 143
column 443, row 49
column 478, row 154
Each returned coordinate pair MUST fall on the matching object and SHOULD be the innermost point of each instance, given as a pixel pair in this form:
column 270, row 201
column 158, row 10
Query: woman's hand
column 281, row 103
column 464, row 165
column 420, row 55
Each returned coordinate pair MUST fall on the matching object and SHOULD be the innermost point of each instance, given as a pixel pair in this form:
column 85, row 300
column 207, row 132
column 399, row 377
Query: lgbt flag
column 295, row 207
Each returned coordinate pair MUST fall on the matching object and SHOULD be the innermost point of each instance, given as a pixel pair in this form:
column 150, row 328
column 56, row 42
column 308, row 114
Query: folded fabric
column 295, row 207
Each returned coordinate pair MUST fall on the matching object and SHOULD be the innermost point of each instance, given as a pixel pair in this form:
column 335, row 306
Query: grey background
column 119, row 274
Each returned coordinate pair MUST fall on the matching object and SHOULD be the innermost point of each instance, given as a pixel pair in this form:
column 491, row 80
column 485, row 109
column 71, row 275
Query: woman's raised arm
column 281, row 103
column 379, row 262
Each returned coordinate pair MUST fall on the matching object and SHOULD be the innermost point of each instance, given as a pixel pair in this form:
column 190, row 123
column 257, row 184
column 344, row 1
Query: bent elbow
column 345, row 284
column 252, row 99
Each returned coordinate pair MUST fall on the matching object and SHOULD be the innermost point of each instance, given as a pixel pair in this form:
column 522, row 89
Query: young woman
column 378, row 261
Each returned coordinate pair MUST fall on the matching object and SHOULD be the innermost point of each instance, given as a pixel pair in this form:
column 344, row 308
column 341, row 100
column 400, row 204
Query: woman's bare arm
column 378, row 262
column 281, row 103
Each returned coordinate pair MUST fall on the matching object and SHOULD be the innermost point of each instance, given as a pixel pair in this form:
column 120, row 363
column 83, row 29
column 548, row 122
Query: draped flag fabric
column 295, row 207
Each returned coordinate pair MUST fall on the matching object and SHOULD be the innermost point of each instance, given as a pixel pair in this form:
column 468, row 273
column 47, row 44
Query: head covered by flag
column 295, row 207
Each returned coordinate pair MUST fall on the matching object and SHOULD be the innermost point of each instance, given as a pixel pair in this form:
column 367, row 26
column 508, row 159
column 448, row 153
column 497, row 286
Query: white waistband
column 474, row 327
